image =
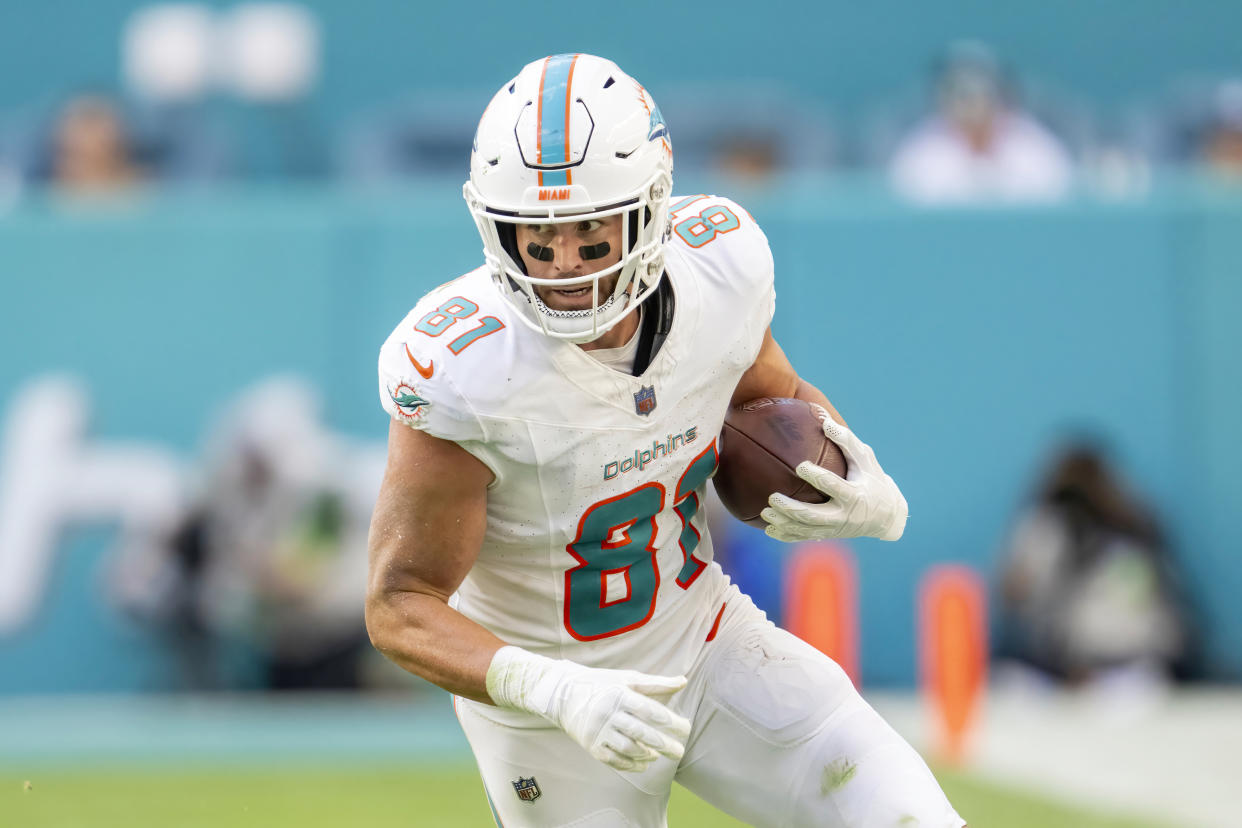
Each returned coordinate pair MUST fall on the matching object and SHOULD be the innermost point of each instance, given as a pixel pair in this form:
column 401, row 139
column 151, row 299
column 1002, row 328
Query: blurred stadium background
column 212, row 214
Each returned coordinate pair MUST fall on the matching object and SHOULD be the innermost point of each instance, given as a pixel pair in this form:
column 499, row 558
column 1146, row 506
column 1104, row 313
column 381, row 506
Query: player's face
column 568, row 250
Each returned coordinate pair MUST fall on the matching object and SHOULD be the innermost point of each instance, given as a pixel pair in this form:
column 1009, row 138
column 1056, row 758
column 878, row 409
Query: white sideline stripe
column 1163, row 756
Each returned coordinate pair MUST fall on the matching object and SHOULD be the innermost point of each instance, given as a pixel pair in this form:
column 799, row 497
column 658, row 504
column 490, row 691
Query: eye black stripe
column 539, row 252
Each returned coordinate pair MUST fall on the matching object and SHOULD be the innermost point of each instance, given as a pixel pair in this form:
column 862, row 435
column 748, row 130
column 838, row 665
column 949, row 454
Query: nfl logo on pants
column 527, row 789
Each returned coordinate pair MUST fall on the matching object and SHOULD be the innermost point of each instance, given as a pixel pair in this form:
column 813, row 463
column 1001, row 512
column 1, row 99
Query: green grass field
column 318, row 796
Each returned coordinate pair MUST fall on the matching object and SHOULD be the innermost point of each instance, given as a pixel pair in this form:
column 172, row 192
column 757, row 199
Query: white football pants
column 780, row 737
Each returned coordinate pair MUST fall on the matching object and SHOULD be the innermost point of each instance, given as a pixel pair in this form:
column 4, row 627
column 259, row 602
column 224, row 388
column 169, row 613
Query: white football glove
column 865, row 503
column 617, row 715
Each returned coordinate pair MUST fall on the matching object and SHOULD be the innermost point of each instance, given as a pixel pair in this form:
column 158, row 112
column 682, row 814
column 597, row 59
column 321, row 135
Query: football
column 762, row 442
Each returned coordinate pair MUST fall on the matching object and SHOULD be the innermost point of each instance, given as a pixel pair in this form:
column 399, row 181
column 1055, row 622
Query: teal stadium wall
column 960, row 343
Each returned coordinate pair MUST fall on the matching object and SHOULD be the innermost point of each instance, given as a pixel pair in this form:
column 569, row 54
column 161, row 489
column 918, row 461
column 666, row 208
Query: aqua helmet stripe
column 554, row 104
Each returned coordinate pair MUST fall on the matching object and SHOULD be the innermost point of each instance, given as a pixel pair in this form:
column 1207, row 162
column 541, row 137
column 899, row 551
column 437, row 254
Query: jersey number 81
column 616, row 540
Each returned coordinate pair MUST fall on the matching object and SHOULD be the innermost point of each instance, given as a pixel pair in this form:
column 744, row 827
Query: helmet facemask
column 644, row 231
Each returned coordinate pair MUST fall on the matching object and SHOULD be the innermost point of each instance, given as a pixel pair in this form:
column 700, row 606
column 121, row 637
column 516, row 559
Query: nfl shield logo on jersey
column 644, row 400
column 527, row 789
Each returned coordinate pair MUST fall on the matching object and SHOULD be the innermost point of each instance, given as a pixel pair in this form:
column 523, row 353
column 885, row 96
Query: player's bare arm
column 773, row 375
column 866, row 502
column 426, row 533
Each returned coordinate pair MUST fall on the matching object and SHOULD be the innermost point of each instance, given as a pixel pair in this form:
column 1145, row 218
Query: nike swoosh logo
column 425, row 373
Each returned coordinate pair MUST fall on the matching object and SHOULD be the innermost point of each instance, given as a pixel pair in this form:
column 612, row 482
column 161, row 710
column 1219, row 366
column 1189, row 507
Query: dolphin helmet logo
column 656, row 127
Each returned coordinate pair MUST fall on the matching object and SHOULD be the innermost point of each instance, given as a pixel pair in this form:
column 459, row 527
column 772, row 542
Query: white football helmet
column 572, row 137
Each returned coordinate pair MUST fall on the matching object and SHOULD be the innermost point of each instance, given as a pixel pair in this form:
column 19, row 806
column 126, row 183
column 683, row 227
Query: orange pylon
column 953, row 652
column 821, row 601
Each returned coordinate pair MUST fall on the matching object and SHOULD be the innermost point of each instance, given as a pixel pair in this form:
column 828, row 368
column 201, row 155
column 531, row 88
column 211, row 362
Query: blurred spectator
column 979, row 144
column 751, row 158
column 268, row 562
column 91, row 150
column 1087, row 587
column 286, row 540
column 752, row 134
column 1195, row 123
column 1220, row 145
column 96, row 143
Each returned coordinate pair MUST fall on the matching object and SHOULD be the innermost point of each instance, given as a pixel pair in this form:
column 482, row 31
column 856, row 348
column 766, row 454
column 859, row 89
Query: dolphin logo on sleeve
column 409, row 404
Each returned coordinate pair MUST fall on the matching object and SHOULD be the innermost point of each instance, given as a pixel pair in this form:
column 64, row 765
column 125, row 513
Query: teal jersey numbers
column 613, row 588
column 616, row 540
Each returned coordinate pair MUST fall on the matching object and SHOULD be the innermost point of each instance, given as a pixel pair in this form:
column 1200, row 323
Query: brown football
column 762, row 442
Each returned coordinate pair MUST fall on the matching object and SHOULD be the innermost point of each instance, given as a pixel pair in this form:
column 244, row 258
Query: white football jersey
column 596, row 547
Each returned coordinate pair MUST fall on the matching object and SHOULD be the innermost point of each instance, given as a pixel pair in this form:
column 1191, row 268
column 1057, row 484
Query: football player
column 539, row 546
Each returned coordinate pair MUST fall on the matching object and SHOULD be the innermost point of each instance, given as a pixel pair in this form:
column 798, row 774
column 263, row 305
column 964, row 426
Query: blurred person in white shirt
column 978, row 145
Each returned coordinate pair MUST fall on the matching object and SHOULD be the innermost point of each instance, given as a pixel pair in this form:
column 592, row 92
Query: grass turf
column 137, row 796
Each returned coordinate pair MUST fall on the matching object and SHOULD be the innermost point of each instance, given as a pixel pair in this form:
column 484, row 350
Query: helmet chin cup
column 572, row 137
column 580, row 326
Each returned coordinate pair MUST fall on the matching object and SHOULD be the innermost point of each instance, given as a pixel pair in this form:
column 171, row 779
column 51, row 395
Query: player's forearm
column 423, row 635
column 810, row 393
